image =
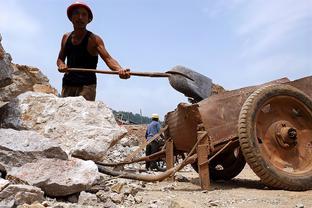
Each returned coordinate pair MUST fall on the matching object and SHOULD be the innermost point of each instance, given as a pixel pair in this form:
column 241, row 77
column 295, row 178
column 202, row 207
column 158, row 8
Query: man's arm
column 109, row 60
column 61, row 57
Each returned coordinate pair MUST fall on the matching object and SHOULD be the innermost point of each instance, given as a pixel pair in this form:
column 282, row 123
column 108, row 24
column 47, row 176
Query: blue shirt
column 152, row 129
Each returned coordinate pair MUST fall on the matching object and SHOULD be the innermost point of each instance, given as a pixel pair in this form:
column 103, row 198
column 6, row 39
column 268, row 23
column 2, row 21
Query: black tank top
column 79, row 57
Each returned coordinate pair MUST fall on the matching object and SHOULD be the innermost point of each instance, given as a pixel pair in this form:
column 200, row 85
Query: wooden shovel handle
column 140, row 74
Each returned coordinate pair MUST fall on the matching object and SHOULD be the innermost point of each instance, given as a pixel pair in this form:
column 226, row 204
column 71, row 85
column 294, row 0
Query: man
column 152, row 129
column 81, row 49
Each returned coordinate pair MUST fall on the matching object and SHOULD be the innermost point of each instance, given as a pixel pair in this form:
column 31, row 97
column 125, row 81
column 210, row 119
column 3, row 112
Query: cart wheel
column 225, row 166
column 275, row 135
column 161, row 165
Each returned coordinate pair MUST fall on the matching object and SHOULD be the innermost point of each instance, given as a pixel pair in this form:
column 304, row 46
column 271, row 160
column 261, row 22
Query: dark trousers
column 150, row 149
column 87, row 91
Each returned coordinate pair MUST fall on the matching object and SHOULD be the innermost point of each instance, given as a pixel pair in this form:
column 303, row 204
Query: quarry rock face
column 16, row 79
column 25, row 78
column 5, row 67
column 84, row 129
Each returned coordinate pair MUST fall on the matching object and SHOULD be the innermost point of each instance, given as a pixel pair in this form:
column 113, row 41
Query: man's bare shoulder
column 66, row 34
column 95, row 38
column 65, row 37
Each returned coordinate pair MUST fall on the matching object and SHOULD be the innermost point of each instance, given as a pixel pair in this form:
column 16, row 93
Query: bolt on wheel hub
column 285, row 135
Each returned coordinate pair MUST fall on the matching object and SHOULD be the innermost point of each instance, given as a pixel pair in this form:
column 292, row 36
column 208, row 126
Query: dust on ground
column 245, row 190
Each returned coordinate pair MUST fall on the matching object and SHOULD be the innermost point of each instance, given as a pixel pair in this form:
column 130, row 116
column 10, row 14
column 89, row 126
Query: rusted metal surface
column 303, row 84
column 169, row 155
column 203, row 162
column 220, row 113
column 182, row 126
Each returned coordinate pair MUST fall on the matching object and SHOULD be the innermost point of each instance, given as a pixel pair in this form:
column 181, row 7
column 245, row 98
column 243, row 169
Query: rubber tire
column 269, row 175
column 236, row 165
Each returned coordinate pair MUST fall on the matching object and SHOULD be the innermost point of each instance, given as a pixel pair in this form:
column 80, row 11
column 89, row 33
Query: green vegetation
column 129, row 117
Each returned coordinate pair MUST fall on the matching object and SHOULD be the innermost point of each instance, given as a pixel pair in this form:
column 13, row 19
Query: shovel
column 192, row 84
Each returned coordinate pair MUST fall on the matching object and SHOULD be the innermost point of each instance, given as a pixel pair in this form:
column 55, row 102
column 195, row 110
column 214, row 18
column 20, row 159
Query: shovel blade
column 198, row 89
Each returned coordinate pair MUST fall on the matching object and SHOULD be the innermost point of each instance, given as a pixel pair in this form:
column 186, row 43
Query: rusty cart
column 268, row 126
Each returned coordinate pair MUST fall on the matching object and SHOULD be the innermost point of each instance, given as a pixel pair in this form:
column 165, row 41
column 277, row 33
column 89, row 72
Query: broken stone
column 138, row 199
column 99, row 186
column 169, row 187
column 181, row 178
column 299, row 205
column 116, row 198
column 20, row 147
column 24, row 78
column 3, row 183
column 117, row 187
column 21, row 194
column 7, row 203
column 87, row 199
column 85, row 129
column 58, row 177
column 34, row 205
column 109, row 204
column 130, row 190
column 131, row 199
column 102, row 195
column 6, row 69
column 30, row 141
column 73, row 198
column 181, row 204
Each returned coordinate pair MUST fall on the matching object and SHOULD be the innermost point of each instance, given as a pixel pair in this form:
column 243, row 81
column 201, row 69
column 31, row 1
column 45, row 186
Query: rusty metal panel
column 303, row 84
column 182, row 126
column 220, row 113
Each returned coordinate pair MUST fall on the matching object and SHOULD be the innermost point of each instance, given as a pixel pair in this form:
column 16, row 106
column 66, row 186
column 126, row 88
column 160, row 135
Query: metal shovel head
column 199, row 88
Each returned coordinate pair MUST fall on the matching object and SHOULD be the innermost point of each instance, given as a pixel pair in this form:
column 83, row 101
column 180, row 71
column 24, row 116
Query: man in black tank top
column 81, row 48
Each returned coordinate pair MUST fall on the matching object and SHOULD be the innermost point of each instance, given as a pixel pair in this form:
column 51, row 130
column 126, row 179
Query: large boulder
column 20, row 147
column 5, row 67
column 83, row 128
column 57, row 177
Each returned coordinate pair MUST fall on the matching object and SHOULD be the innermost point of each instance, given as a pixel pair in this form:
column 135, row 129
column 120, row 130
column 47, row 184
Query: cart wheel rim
column 275, row 135
column 283, row 128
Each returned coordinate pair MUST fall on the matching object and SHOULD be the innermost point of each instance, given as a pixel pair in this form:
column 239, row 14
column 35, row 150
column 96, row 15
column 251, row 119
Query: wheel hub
column 285, row 134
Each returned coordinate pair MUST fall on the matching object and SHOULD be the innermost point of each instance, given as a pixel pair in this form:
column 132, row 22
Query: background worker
column 81, row 49
column 152, row 129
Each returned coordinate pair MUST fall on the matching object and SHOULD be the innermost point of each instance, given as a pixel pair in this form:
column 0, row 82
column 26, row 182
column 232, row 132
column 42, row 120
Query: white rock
column 84, row 128
column 58, row 177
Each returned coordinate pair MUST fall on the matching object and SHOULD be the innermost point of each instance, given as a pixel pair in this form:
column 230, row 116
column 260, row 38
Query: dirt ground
column 245, row 190
column 136, row 131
